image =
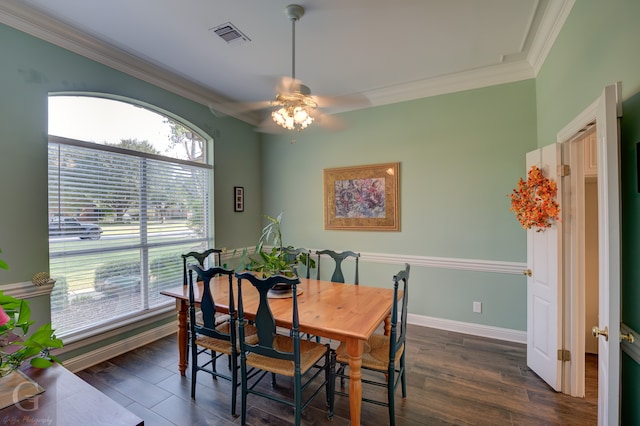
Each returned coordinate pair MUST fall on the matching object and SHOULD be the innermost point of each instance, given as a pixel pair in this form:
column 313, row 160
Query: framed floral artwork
column 362, row 197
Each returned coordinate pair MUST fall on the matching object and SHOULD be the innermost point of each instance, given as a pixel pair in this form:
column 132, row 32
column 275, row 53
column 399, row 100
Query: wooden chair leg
column 331, row 384
column 194, row 371
column 403, row 378
column 391, row 398
column 234, row 383
column 243, row 394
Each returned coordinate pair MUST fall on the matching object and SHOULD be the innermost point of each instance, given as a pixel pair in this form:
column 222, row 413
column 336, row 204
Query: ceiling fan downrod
column 294, row 12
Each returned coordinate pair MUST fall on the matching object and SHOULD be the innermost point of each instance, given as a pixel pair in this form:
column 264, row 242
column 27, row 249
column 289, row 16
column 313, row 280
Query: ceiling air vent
column 229, row 33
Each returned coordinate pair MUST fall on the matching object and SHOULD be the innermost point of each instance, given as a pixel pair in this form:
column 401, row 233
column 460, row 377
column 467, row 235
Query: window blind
column 118, row 222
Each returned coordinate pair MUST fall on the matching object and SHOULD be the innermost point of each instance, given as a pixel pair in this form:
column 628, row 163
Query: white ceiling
column 390, row 51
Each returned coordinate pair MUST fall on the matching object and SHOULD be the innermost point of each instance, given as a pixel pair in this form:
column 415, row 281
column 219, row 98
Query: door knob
column 527, row 272
column 597, row 332
column 628, row 337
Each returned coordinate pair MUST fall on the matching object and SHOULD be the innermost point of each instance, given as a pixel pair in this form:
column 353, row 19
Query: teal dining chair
column 211, row 337
column 337, row 276
column 293, row 254
column 274, row 354
column 202, row 259
column 338, row 258
column 385, row 355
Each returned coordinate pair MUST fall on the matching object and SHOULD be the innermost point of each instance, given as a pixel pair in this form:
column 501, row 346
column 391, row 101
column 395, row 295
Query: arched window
column 129, row 192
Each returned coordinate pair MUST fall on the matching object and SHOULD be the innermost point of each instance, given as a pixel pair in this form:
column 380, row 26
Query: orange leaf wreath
column 533, row 201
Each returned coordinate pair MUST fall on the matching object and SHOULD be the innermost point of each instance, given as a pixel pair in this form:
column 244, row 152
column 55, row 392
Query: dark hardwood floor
column 453, row 379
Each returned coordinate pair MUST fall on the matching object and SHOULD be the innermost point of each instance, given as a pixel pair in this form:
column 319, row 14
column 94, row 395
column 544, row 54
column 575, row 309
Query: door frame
column 609, row 254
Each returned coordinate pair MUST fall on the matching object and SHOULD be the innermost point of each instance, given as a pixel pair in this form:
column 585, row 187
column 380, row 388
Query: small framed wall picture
column 238, row 198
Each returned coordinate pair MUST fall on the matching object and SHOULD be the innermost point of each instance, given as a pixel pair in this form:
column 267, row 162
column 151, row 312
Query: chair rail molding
column 26, row 290
column 478, row 265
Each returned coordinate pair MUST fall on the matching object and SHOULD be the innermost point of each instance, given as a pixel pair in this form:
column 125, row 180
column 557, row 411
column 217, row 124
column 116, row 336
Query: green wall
column 630, row 137
column 29, row 70
column 460, row 156
column 598, row 46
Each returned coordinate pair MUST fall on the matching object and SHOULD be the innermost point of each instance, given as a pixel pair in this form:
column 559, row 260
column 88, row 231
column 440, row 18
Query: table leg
column 181, row 307
column 354, row 349
column 387, row 325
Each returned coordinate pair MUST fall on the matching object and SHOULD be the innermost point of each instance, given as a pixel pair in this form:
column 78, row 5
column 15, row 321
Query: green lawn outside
column 80, row 277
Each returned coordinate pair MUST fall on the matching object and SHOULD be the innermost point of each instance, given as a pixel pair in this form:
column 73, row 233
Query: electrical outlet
column 477, row 307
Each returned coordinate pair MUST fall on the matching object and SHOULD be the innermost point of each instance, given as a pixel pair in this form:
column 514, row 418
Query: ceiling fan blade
column 267, row 125
column 329, row 122
column 288, row 85
column 343, row 103
column 231, row 108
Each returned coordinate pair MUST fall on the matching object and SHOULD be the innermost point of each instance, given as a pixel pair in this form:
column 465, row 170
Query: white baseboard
column 110, row 351
column 105, row 353
column 469, row 328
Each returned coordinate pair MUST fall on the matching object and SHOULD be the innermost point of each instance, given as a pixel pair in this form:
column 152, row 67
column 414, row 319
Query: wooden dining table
column 345, row 312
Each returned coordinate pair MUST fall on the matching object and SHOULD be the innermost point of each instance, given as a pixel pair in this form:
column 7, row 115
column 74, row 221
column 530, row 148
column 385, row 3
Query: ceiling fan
column 294, row 107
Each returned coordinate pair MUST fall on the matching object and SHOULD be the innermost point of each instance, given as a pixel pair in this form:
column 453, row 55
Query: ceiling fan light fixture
column 293, row 117
column 294, row 111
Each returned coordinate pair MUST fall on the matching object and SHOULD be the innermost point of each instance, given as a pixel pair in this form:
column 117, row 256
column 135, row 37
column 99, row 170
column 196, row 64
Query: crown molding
column 21, row 17
column 28, row 20
column 552, row 22
column 483, row 77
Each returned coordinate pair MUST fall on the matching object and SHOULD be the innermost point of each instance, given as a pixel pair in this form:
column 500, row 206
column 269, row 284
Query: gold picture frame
column 362, row 198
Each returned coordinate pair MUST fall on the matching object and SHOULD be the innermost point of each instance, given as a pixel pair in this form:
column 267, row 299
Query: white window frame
column 205, row 240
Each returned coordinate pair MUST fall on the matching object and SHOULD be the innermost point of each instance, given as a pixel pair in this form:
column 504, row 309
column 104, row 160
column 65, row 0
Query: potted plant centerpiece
column 278, row 260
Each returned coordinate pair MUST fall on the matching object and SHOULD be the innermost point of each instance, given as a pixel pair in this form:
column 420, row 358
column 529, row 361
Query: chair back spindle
column 200, row 257
column 264, row 320
column 398, row 337
column 338, row 257
column 207, row 302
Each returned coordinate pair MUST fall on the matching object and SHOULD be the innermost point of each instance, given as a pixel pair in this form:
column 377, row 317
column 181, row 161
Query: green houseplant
column 3, row 264
column 16, row 344
column 277, row 260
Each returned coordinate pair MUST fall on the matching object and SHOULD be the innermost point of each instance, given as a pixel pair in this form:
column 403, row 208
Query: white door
column 605, row 112
column 608, row 111
column 543, row 290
